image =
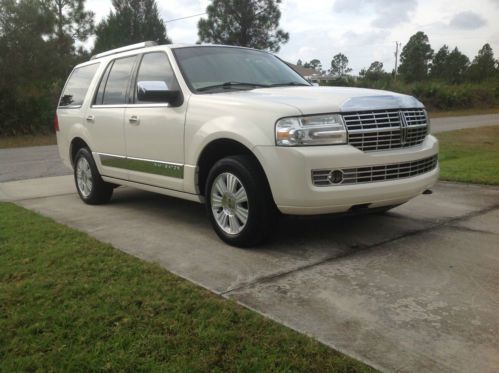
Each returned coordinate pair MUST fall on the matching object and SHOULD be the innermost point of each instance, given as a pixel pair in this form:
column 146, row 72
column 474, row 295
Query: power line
column 178, row 19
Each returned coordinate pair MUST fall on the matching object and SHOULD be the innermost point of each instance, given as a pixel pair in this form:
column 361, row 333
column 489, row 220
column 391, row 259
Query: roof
column 149, row 44
column 303, row 71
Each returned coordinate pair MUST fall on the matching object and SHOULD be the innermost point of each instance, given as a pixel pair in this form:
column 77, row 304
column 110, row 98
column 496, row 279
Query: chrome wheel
column 229, row 203
column 84, row 177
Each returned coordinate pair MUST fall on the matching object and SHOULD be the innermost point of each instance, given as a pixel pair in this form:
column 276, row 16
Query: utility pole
column 397, row 45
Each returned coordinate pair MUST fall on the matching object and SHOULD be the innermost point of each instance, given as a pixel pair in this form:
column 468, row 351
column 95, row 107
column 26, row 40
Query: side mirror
column 156, row 91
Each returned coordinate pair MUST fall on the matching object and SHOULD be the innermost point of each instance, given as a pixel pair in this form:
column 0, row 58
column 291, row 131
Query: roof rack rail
column 125, row 49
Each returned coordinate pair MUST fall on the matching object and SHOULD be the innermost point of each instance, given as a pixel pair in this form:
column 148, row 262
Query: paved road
column 413, row 290
column 41, row 161
column 30, row 163
column 471, row 121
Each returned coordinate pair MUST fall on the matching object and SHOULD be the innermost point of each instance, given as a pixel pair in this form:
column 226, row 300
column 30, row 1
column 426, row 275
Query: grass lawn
column 27, row 140
column 470, row 155
column 69, row 302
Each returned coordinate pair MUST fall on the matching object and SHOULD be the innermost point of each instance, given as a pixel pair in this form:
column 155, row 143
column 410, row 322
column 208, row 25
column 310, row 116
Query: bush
column 28, row 109
column 435, row 95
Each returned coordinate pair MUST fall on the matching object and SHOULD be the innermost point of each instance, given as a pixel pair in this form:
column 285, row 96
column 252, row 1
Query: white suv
column 241, row 131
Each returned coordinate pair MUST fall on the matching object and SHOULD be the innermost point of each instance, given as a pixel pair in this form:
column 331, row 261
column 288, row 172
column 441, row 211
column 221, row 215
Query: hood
column 316, row 100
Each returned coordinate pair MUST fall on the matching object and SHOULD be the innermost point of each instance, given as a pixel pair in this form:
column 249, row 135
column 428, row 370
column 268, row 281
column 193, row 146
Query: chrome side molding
column 147, row 166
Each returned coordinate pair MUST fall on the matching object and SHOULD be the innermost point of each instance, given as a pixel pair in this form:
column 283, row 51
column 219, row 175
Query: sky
column 363, row 30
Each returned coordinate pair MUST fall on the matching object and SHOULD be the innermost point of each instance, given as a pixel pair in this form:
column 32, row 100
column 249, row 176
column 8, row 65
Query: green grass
column 470, row 155
column 27, row 140
column 69, row 302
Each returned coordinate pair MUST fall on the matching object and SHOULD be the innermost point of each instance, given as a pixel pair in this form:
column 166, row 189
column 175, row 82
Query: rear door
column 154, row 132
column 105, row 118
column 71, row 109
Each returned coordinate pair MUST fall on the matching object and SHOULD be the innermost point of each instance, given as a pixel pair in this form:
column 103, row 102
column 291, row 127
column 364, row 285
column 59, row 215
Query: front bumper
column 289, row 173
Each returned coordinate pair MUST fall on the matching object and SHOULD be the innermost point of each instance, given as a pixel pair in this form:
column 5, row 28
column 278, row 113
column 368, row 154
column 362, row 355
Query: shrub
column 435, row 95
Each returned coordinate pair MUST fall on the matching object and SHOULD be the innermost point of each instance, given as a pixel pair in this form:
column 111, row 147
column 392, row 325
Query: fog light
column 335, row 177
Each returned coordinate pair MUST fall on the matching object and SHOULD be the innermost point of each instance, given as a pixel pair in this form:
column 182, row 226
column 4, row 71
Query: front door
column 154, row 131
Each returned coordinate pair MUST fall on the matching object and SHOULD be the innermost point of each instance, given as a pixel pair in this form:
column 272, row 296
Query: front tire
column 89, row 184
column 239, row 202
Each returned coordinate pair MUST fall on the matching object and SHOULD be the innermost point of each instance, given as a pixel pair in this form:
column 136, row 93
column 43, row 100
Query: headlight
column 428, row 122
column 311, row 130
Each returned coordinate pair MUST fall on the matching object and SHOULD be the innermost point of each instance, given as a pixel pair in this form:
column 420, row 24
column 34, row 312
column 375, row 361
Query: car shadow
column 293, row 235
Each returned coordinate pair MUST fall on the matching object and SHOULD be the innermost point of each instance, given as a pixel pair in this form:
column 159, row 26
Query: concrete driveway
column 413, row 290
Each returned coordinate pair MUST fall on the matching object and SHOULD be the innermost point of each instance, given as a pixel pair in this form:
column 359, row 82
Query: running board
column 151, row 188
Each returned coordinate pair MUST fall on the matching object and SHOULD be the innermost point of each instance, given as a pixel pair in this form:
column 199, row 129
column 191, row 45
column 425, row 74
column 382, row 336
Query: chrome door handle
column 90, row 118
column 134, row 120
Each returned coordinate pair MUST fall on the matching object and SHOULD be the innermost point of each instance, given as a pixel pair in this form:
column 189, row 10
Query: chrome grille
column 372, row 174
column 386, row 129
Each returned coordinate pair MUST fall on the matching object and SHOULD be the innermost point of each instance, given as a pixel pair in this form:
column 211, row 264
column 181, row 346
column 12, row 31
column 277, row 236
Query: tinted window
column 102, row 85
column 77, row 86
column 156, row 67
column 117, row 82
column 205, row 67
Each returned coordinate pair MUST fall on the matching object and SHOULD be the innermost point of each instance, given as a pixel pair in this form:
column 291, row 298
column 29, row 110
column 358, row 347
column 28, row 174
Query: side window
column 117, row 82
column 156, row 67
column 77, row 86
column 99, row 97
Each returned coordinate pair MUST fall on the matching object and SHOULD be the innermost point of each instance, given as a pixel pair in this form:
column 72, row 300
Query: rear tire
column 239, row 201
column 89, row 184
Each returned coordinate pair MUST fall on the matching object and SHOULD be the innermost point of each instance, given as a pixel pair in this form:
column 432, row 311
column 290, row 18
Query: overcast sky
column 363, row 30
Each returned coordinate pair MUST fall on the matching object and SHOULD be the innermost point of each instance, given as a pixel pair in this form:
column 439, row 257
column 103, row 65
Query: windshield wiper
column 289, row 84
column 228, row 85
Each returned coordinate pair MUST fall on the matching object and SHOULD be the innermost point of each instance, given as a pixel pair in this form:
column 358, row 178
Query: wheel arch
column 76, row 144
column 216, row 150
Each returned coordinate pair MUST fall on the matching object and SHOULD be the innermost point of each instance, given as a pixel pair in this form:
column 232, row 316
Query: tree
column 457, row 67
column 439, row 63
column 299, row 63
column 247, row 23
column 450, row 67
column 72, row 22
column 415, row 58
column 375, row 72
column 484, row 66
column 132, row 21
column 339, row 65
column 316, row 64
column 26, row 66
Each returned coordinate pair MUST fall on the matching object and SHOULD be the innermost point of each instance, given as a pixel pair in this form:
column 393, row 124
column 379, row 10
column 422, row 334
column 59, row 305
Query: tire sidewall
column 256, row 208
column 85, row 153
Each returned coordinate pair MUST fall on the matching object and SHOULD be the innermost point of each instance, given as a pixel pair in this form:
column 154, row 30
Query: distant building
column 307, row 73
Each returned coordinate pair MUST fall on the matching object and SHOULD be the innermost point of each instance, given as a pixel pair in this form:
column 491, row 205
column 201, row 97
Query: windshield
column 217, row 69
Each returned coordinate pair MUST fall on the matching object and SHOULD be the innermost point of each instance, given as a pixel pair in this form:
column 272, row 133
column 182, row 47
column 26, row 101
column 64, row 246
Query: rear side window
column 77, row 86
column 156, row 67
column 115, row 91
column 102, row 85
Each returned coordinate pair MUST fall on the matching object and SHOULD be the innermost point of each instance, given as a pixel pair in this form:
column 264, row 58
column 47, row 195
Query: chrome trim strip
column 369, row 103
column 148, row 166
column 152, row 160
column 112, row 155
column 129, row 106
column 375, row 173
